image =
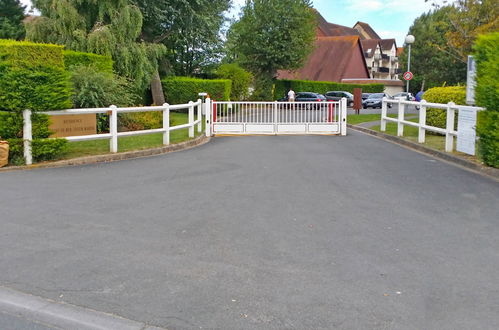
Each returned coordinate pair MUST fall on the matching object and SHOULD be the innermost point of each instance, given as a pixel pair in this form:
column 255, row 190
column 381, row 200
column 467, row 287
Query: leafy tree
column 272, row 35
column 431, row 59
column 11, row 17
column 106, row 27
column 190, row 29
column 241, row 80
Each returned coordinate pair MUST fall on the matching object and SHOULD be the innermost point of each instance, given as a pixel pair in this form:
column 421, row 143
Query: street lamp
column 409, row 39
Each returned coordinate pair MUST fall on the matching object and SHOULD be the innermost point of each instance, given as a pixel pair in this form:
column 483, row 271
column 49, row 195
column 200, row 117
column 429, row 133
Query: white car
column 404, row 96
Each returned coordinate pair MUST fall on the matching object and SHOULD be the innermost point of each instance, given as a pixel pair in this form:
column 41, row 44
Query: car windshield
column 376, row 96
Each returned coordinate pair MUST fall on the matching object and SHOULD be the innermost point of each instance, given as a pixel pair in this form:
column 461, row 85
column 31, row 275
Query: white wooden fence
column 448, row 131
column 113, row 134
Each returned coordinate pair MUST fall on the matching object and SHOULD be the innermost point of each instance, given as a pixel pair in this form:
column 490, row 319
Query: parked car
column 375, row 101
column 404, row 96
column 306, row 97
column 365, row 96
column 338, row 95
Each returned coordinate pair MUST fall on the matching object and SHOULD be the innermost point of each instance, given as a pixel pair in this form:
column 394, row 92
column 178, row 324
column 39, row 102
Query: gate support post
column 166, row 124
column 207, row 111
column 199, row 108
column 343, row 116
column 191, row 119
column 113, row 128
column 27, row 137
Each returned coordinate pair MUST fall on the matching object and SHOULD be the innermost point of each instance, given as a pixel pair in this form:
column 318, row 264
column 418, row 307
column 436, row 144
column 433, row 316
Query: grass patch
column 411, row 133
column 364, row 118
column 129, row 143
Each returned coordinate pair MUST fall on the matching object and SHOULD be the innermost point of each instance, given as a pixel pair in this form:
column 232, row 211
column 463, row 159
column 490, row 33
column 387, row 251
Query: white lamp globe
column 409, row 39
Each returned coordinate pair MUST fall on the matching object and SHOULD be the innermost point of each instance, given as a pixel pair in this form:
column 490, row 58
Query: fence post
column 200, row 116
column 422, row 122
column 343, row 116
column 27, row 137
column 113, row 129
column 449, row 137
column 384, row 107
column 207, row 110
column 400, row 125
column 166, row 124
column 191, row 119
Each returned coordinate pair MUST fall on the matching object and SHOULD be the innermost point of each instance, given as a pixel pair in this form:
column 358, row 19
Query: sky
column 389, row 18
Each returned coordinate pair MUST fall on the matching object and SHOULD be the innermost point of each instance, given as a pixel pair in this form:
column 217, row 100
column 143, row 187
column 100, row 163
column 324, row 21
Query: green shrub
column 487, row 96
column 33, row 77
column 100, row 63
column 137, row 121
column 180, row 90
column 241, row 80
column 11, row 129
column 281, row 87
column 438, row 117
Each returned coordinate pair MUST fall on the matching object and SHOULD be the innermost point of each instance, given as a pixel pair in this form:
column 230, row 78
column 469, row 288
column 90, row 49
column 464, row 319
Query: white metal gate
column 277, row 117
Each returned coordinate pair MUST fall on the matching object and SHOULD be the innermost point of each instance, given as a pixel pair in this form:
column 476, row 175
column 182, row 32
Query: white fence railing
column 448, row 131
column 113, row 134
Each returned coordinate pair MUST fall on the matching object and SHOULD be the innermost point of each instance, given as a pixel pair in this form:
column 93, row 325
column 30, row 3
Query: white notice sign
column 466, row 134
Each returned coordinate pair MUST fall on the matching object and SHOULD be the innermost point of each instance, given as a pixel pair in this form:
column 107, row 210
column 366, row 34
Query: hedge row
column 281, row 87
column 101, row 63
column 180, row 90
column 438, row 117
column 487, row 96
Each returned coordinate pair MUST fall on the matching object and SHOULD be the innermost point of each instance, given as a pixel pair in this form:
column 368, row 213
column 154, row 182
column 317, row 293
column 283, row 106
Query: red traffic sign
column 408, row 75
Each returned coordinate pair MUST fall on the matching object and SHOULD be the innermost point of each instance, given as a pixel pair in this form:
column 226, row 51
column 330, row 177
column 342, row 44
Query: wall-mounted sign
column 73, row 125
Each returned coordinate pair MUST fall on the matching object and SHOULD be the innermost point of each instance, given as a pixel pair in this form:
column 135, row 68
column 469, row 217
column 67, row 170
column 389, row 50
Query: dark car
column 338, row 95
column 365, row 96
column 375, row 100
column 306, row 97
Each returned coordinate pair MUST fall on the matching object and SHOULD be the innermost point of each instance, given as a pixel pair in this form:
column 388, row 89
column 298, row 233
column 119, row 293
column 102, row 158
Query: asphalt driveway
column 286, row 232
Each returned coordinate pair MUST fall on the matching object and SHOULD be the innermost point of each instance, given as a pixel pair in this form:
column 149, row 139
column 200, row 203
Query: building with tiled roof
column 365, row 31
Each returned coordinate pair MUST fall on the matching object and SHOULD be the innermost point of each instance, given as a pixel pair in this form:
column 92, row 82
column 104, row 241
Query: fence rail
column 449, row 131
column 113, row 134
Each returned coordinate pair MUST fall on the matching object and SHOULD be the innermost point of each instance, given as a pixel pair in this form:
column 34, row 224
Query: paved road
column 286, row 232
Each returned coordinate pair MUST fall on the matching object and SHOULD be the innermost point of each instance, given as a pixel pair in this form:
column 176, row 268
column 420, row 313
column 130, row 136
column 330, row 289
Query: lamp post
column 409, row 39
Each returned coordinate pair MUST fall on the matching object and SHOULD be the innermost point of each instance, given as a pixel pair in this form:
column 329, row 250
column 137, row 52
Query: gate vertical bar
column 207, row 112
column 166, row 124
column 27, row 137
column 113, row 129
column 343, row 116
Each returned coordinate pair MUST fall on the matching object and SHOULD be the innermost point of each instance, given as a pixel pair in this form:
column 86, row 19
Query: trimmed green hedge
column 487, row 96
column 241, row 80
column 33, row 77
column 438, row 117
column 281, row 87
column 180, row 90
column 101, row 63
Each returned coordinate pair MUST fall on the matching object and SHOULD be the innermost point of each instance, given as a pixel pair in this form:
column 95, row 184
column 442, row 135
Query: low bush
column 487, row 96
column 281, row 87
column 180, row 90
column 438, row 117
column 241, row 80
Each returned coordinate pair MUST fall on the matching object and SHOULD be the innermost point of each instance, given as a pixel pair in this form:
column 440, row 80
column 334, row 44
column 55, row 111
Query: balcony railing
column 384, row 69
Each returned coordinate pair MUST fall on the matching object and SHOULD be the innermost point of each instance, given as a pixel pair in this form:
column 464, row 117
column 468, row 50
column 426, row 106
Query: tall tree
column 11, row 19
column 432, row 60
column 272, row 35
column 190, row 29
column 107, row 27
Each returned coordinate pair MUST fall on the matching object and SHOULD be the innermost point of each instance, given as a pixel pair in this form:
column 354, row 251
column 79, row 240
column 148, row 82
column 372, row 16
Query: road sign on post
column 408, row 75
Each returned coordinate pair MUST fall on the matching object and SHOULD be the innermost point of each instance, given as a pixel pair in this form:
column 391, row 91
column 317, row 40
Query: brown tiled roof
column 400, row 50
column 333, row 59
column 368, row 29
column 386, row 44
column 369, row 44
column 327, row 29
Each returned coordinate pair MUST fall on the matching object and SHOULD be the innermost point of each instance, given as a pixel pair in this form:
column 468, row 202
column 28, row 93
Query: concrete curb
column 62, row 315
column 484, row 170
column 114, row 157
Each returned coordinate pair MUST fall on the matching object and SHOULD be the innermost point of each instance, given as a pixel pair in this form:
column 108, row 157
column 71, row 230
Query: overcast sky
column 389, row 18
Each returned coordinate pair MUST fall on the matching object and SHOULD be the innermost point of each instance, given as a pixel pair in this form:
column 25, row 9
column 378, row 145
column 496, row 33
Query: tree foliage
column 432, row 60
column 190, row 29
column 272, row 35
column 241, row 80
column 11, row 17
column 106, row 27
